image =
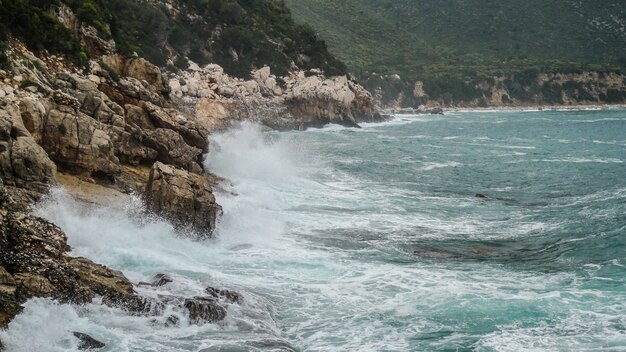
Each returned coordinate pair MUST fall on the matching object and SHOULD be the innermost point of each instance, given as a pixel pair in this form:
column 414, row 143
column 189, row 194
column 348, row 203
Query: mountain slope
column 460, row 49
column 473, row 31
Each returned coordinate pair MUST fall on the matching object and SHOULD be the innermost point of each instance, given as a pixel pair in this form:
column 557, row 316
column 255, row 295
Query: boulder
column 86, row 342
column 23, row 162
column 172, row 149
column 224, row 295
column 183, row 198
column 142, row 70
column 79, row 143
column 161, row 279
column 204, row 310
column 172, row 119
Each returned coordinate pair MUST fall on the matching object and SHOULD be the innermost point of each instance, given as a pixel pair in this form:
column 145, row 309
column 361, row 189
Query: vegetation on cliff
column 237, row 34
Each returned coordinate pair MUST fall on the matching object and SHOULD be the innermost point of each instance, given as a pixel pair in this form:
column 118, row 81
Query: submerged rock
column 161, row 279
column 226, row 295
column 87, row 343
column 204, row 310
column 183, row 198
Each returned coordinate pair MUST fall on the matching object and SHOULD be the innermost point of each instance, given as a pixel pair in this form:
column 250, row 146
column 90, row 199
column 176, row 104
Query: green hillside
column 456, row 46
column 404, row 36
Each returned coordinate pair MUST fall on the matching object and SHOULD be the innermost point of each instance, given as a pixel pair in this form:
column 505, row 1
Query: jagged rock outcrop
column 23, row 163
column 184, row 198
column 204, row 310
column 292, row 102
column 34, row 262
column 224, row 295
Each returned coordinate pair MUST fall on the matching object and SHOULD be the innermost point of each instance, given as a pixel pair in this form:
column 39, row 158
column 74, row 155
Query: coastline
column 525, row 108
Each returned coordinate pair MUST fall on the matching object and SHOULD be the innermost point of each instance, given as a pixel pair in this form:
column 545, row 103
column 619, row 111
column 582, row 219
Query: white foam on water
column 280, row 244
column 434, row 165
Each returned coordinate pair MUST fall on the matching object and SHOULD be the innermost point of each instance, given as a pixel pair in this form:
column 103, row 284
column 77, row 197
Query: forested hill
column 237, row 34
column 470, row 40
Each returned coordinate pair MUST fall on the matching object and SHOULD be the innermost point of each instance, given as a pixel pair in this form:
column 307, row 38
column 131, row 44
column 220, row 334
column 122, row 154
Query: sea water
column 374, row 239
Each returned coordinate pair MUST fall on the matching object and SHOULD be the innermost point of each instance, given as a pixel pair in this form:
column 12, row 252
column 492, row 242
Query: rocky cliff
column 126, row 125
column 528, row 88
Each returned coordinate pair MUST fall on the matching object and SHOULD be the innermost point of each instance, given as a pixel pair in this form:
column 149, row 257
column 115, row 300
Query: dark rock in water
column 204, row 310
column 172, row 320
column 436, row 111
column 35, row 263
column 87, row 343
column 1, row 347
column 161, row 279
column 481, row 196
column 226, row 295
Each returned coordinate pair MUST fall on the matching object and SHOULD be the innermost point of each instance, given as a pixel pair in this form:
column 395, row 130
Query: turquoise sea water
column 373, row 239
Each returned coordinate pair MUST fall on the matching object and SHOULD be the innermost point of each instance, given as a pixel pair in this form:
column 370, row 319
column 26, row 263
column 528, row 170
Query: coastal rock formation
column 224, row 295
column 204, row 310
column 184, row 198
column 87, row 342
column 23, row 162
column 109, row 122
column 34, row 262
column 299, row 100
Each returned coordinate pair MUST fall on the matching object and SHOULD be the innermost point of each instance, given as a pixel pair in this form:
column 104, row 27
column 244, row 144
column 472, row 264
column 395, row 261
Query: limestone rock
column 142, row 70
column 172, row 149
column 79, row 143
column 193, row 134
column 185, row 199
column 23, row 162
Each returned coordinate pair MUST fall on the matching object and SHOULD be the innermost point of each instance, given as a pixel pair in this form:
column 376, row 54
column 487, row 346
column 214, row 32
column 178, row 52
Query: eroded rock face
column 290, row 102
column 23, row 162
column 183, row 198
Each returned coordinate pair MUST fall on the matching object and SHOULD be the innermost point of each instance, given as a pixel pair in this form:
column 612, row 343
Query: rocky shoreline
column 125, row 126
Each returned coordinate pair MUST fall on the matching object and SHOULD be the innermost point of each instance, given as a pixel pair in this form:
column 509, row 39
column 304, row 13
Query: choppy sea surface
column 373, row 239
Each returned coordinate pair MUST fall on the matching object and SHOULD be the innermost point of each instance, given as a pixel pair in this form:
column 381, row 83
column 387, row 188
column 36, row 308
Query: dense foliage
column 451, row 45
column 237, row 34
column 33, row 22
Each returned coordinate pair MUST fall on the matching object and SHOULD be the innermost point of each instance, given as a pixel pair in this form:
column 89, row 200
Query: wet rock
column 204, row 310
column 225, row 295
column 172, row 320
column 161, row 279
column 183, row 198
column 480, row 196
column 87, row 343
column 35, row 263
column 112, row 285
